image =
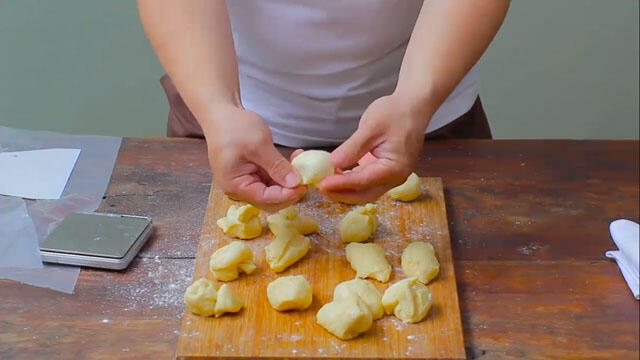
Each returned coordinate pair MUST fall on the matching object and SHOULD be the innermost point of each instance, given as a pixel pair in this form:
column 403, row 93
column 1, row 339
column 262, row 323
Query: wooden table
column 529, row 226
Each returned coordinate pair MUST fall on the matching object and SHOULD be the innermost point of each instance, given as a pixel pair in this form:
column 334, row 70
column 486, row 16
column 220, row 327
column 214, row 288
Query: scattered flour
column 530, row 249
column 398, row 324
column 160, row 283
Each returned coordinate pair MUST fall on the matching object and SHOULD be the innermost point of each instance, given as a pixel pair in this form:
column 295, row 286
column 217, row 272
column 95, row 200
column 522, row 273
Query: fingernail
column 292, row 179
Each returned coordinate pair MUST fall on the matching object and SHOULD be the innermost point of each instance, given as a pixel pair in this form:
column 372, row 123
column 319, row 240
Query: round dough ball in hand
column 201, row 296
column 408, row 191
column 313, row 166
column 419, row 260
column 289, row 293
column 408, row 299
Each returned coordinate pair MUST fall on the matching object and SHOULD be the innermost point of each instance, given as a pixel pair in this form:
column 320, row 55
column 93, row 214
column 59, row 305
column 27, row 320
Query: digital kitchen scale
column 108, row 241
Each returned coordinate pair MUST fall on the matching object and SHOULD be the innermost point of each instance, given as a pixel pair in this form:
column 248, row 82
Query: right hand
column 245, row 162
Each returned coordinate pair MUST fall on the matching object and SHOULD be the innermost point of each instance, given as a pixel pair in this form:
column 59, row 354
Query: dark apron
column 181, row 122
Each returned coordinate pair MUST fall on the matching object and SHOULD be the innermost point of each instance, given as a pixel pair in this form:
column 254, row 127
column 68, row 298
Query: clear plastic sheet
column 83, row 193
column 18, row 239
column 56, row 277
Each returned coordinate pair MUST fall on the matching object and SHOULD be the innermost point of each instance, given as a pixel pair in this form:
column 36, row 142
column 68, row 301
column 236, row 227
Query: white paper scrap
column 36, row 174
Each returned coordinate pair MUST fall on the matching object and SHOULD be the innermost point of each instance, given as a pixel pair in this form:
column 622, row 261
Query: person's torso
column 310, row 68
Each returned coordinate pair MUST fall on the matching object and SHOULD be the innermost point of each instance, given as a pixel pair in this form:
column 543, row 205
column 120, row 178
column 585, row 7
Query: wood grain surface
column 533, row 289
column 296, row 334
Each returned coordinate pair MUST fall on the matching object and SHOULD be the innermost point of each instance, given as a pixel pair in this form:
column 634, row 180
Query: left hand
column 385, row 146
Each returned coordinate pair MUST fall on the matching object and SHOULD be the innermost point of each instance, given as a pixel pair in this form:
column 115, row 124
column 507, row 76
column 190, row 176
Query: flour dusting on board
column 160, row 283
column 316, row 205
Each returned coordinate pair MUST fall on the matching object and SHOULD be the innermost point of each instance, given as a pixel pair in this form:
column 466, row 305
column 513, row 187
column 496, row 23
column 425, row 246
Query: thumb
column 278, row 168
column 353, row 149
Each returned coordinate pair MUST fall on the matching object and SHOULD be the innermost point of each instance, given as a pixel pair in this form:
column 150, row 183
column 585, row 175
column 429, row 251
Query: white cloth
column 626, row 235
column 310, row 68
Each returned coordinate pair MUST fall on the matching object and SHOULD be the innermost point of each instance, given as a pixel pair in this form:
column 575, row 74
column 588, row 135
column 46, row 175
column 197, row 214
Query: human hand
column 246, row 164
column 385, row 148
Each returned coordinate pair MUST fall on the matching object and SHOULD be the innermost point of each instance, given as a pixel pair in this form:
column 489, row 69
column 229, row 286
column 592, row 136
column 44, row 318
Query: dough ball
column 287, row 247
column 419, row 260
column 368, row 261
column 289, row 293
column 289, row 217
column 408, row 191
column 241, row 222
column 408, row 299
column 345, row 318
column 229, row 260
column 364, row 290
column 313, row 166
column 200, row 297
column 359, row 224
column 228, row 301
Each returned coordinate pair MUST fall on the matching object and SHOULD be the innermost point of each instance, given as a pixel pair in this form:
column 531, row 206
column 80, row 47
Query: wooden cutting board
column 259, row 331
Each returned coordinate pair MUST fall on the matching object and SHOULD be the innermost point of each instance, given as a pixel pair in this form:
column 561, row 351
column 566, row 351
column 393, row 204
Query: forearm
column 193, row 42
column 448, row 39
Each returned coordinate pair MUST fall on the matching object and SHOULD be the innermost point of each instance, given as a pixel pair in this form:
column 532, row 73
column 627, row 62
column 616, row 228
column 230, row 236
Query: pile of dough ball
column 408, row 299
column 313, row 166
column 356, row 303
column 204, row 298
column 241, row 222
column 288, row 246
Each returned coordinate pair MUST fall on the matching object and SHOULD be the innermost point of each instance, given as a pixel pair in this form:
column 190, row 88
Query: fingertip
column 295, row 153
column 338, row 159
column 327, row 183
column 296, row 192
column 281, row 196
column 345, row 180
column 292, row 179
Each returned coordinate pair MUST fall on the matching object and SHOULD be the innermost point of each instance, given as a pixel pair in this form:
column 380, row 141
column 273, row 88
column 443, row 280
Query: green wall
column 564, row 69
column 78, row 66
column 558, row 69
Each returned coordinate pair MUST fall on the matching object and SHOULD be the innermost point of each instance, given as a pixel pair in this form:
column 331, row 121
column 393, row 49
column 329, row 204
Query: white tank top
column 311, row 67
